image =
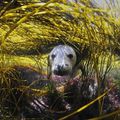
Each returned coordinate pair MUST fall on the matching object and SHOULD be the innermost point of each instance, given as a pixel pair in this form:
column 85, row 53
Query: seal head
column 62, row 60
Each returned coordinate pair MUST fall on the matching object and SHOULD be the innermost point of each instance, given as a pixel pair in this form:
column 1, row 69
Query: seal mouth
column 61, row 73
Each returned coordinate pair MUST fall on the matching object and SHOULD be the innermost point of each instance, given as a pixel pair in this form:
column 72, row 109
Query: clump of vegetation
column 31, row 28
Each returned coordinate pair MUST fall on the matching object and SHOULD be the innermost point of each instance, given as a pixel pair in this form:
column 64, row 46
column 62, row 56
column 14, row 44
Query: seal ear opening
column 48, row 68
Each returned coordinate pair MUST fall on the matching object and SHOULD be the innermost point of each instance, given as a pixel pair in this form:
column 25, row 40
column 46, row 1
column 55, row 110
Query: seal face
column 62, row 60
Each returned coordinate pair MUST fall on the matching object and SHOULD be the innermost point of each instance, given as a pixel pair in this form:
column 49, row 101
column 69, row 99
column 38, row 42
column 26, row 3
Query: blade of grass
column 5, row 8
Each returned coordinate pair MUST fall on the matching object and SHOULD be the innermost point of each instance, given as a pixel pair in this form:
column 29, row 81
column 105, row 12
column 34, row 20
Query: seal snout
column 61, row 70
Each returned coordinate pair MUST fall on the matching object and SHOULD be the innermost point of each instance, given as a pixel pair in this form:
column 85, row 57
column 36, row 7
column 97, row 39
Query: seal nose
column 60, row 68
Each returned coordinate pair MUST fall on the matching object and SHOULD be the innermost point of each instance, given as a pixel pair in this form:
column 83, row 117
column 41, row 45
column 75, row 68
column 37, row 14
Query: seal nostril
column 66, row 65
column 60, row 68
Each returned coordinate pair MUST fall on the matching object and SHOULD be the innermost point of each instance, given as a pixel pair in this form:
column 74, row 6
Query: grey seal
column 61, row 63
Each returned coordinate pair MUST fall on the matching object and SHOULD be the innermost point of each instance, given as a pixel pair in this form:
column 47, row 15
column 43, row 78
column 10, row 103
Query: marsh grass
column 28, row 33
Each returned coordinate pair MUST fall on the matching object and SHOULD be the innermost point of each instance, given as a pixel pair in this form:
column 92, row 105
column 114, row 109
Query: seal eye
column 70, row 56
column 53, row 56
